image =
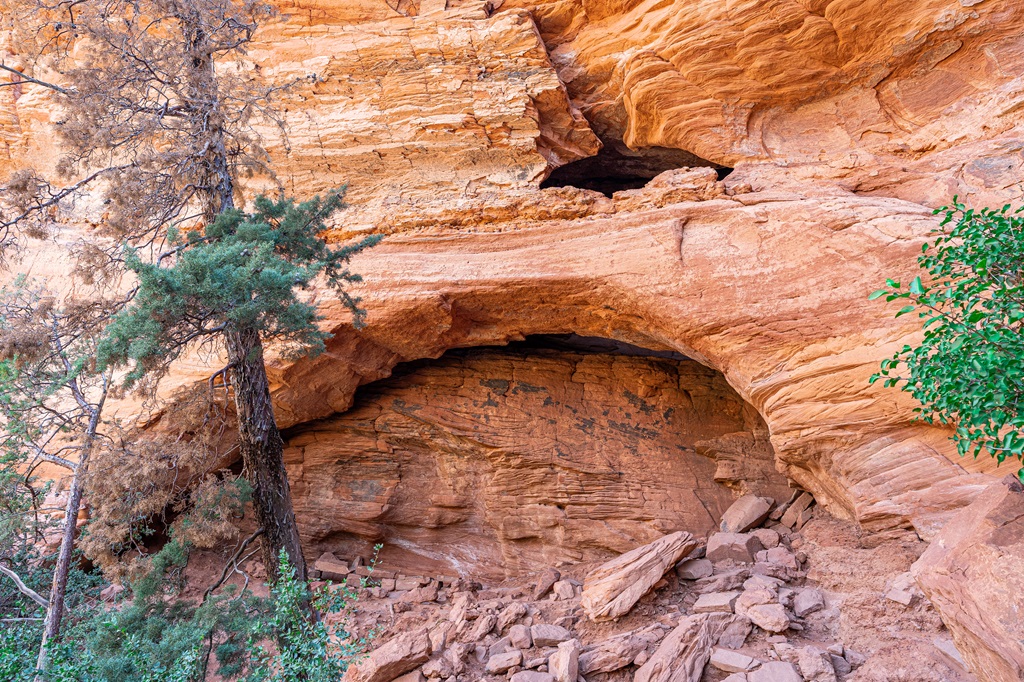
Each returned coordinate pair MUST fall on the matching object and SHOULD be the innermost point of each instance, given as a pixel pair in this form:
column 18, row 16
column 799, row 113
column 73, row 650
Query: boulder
column 547, row 578
column 331, row 567
column 483, row 627
column 438, row 668
column 694, row 569
column 769, row 538
column 501, row 646
column 736, row 633
column 723, row 582
column 510, row 614
column 779, row 556
column 503, row 662
column 794, row 516
column 420, row 595
column 775, row 671
column 531, row 676
column 756, row 596
column 564, row 664
column 739, row 547
column 769, row 617
column 611, row 590
column 973, row 573
column 806, row 601
column 840, row 665
column 564, row 590
column 396, row 657
column 520, row 636
column 545, row 634
column 816, row 665
column 715, row 602
column 684, row 652
column 611, row 654
column 745, row 513
column 732, row 661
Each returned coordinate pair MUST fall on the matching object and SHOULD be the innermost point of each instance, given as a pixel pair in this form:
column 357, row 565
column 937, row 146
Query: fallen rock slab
column 733, row 547
column 619, row 651
column 531, row 676
column 745, row 513
column 973, row 573
column 776, row 671
column 546, row 580
column 611, row 590
column 807, row 601
column 395, row 658
column 716, row 602
column 685, row 651
column 796, row 513
column 611, row 654
column 732, row 661
column 520, row 636
column 544, row 634
column 816, row 665
column 769, row 617
column 564, row 664
column 694, row 569
column 500, row 663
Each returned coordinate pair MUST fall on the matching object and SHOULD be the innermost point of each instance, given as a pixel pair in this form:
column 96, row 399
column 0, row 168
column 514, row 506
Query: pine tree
column 237, row 280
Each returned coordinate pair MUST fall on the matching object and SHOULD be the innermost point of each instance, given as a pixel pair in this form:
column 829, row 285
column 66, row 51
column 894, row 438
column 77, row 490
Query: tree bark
column 59, row 590
column 263, row 453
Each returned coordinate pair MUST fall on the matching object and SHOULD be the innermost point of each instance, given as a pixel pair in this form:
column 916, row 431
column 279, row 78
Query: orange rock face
column 492, row 463
column 972, row 573
column 847, row 123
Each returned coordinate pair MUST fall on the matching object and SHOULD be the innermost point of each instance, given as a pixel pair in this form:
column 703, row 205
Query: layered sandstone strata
column 847, row 121
column 491, row 463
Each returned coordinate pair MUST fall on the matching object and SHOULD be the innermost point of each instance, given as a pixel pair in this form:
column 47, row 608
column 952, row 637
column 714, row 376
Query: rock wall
column 492, row 463
column 847, row 123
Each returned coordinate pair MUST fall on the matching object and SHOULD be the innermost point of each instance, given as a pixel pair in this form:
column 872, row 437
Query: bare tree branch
column 29, row 79
column 23, row 588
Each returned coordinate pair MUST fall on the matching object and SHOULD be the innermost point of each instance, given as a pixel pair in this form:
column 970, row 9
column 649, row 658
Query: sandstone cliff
column 846, row 121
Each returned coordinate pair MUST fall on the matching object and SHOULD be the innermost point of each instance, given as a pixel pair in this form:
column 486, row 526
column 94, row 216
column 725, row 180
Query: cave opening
column 616, row 168
column 489, row 461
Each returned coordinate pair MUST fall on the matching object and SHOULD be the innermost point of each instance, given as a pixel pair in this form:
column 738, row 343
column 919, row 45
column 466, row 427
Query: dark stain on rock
column 632, row 429
column 523, row 387
column 499, row 385
column 639, row 403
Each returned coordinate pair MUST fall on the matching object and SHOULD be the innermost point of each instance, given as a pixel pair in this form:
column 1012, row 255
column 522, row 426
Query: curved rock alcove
column 492, row 462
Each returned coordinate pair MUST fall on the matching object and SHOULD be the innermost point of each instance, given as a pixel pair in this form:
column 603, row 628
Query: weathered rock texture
column 847, row 121
column 489, row 463
column 973, row 573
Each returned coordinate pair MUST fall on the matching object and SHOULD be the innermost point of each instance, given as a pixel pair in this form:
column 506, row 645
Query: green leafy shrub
column 968, row 370
column 159, row 637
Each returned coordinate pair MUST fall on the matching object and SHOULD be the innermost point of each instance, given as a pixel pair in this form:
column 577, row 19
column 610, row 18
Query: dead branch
column 23, row 588
column 230, row 566
column 29, row 79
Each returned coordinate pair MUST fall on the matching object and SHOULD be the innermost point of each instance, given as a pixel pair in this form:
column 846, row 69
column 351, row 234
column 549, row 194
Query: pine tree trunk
column 59, row 589
column 263, row 453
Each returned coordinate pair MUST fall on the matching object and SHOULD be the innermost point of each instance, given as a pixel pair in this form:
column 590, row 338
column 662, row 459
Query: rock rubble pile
column 736, row 608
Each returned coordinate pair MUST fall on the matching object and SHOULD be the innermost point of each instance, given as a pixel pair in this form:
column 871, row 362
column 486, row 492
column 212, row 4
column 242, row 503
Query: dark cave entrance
column 616, row 168
column 488, row 461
